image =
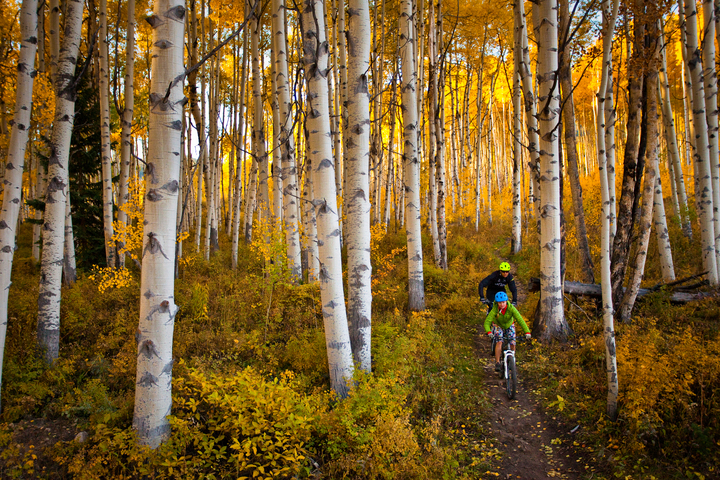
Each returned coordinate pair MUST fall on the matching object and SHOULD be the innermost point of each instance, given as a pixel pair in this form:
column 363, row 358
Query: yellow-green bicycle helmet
column 504, row 267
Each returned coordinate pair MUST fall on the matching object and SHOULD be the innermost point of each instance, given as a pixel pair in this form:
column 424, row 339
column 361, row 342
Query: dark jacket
column 495, row 283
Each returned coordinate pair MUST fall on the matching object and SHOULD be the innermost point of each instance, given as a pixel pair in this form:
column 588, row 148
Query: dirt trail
column 534, row 445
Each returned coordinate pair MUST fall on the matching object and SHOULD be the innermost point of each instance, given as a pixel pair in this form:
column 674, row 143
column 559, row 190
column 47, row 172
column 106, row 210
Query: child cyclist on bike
column 502, row 317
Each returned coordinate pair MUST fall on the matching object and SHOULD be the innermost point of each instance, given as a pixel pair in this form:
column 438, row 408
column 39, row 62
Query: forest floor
column 534, row 445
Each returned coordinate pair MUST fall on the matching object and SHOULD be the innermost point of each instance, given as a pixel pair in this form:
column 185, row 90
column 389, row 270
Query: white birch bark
column 126, row 120
column 411, row 165
column 609, row 18
column 517, row 155
column 530, row 105
column 711, row 113
column 48, row 327
column 104, row 94
column 610, row 150
column 671, row 140
column 15, row 162
column 440, row 136
column 154, row 335
column 704, row 193
column 357, row 208
column 552, row 315
column 287, row 142
column 240, row 141
column 661, row 234
column 337, row 336
column 258, row 130
column 69, row 266
column 648, row 195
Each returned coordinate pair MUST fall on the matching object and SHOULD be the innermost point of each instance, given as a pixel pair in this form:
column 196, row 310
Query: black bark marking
column 148, row 349
column 154, row 21
column 153, row 195
column 176, row 13
column 147, row 380
column 154, row 246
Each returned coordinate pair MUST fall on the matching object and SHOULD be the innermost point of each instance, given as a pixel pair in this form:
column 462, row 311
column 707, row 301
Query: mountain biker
column 502, row 317
column 495, row 282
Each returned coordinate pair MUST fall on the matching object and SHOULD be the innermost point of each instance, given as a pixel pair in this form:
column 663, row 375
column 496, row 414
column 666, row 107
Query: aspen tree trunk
column 276, row 154
column 690, row 139
column 480, row 121
column 69, row 267
column 154, row 335
column 104, row 94
column 335, row 108
column 568, row 113
column 517, row 149
column 337, row 336
column 711, row 114
column 440, row 137
column 610, row 148
column 258, row 132
column 530, row 105
column 15, row 162
column 310, row 220
column 416, row 283
column 391, row 146
column 704, row 193
column 648, row 196
column 357, row 208
column 54, row 34
column 550, row 323
column 609, row 18
column 48, row 326
column 629, row 192
column 198, row 117
column 41, row 182
column 671, row 139
column 661, row 233
column 126, row 119
column 433, row 143
column 240, row 141
column 290, row 192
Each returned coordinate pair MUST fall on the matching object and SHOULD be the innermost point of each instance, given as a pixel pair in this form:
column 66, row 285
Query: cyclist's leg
column 498, row 334
column 511, row 336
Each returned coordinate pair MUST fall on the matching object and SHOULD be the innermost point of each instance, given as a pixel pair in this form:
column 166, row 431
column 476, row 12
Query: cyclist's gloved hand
column 489, row 334
column 528, row 336
column 514, row 302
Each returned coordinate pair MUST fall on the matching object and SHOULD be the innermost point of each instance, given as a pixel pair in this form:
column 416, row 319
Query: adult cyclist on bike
column 501, row 319
column 496, row 282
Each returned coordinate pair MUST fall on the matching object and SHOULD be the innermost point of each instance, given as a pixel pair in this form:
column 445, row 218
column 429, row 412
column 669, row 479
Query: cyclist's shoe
column 498, row 367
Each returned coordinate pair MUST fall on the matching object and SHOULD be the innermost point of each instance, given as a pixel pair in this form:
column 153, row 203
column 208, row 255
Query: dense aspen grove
column 243, row 239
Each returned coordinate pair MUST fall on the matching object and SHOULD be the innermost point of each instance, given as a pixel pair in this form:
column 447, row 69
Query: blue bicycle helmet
column 501, row 297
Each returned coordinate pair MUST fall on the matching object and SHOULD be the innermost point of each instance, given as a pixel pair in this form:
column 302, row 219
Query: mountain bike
column 509, row 372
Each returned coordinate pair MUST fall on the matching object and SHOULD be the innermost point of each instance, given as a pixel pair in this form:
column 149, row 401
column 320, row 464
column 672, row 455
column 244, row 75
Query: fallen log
column 595, row 291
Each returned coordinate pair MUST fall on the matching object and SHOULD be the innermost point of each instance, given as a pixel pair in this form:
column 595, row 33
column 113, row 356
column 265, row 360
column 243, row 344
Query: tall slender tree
column 550, row 323
column 315, row 60
column 154, row 336
column 48, row 325
column 357, row 146
column 15, row 162
column 411, row 164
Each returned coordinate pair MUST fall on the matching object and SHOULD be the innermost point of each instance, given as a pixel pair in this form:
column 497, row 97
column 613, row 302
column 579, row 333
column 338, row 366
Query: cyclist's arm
column 490, row 318
column 513, row 290
column 519, row 319
column 483, row 285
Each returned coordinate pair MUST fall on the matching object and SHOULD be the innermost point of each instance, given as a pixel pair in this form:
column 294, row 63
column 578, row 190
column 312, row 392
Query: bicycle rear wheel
column 511, row 379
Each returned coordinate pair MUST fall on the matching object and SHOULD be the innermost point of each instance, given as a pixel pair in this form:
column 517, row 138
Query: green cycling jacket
column 504, row 321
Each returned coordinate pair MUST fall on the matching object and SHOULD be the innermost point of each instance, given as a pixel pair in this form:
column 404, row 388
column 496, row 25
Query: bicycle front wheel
column 511, row 378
